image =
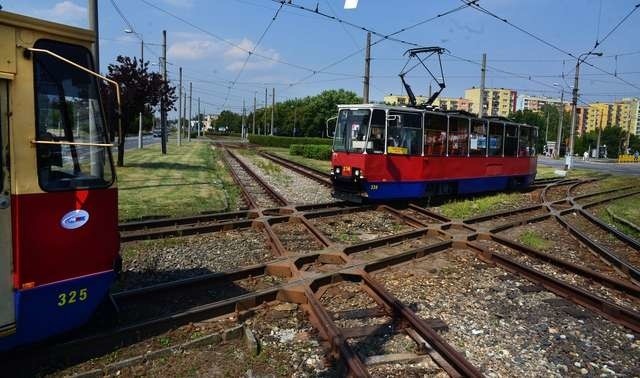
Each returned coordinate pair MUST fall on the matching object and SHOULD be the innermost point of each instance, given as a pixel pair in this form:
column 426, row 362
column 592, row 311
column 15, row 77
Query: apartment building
column 497, row 101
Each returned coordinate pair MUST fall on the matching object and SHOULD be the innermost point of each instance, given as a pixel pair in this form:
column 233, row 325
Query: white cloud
column 64, row 11
column 190, row 46
column 235, row 57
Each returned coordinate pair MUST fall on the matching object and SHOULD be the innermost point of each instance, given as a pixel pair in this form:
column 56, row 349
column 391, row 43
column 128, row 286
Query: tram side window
column 458, row 136
column 375, row 144
column 533, row 138
column 524, row 146
column 478, row 138
column 495, row 138
column 68, row 112
column 435, row 135
column 511, row 140
column 404, row 133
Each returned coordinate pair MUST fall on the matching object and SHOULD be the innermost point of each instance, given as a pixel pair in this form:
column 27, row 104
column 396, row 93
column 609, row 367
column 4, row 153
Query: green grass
column 321, row 165
column 185, row 181
column 534, row 240
column 549, row 172
column 466, row 208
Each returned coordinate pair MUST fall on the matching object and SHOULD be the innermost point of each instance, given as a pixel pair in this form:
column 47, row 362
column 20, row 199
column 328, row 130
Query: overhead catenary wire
column 481, row 9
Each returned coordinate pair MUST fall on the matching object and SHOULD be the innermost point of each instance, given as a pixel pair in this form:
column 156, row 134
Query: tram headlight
column 357, row 173
column 336, row 170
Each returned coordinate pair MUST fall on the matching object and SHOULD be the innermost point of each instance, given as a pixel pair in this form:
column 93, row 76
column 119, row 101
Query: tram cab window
column 435, row 134
column 375, row 144
column 496, row 132
column 68, row 110
column 404, row 133
column 351, row 132
column 510, row 140
column 478, row 138
column 525, row 148
column 458, row 136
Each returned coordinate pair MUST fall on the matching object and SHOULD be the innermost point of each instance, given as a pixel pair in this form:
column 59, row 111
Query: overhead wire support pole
column 179, row 108
column 254, row 113
column 190, row 112
column 199, row 118
column 273, row 107
column 483, row 73
column 560, row 124
column 264, row 130
column 163, row 105
column 367, row 64
column 92, row 11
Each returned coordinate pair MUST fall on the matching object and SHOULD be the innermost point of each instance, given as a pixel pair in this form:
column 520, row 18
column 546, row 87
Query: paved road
column 600, row 166
column 131, row 143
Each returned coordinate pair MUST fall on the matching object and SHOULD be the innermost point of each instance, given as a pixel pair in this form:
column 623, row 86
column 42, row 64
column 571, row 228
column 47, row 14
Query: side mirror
column 332, row 131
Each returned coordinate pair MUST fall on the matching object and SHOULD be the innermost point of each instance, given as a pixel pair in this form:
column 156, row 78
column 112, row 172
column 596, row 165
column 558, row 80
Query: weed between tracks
column 466, row 208
column 534, row 240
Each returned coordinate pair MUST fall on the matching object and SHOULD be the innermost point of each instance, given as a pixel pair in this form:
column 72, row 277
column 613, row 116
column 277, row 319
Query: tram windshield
column 69, row 124
column 351, row 132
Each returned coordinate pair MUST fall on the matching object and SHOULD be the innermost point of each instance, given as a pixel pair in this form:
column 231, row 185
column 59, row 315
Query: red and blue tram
column 385, row 152
column 59, row 241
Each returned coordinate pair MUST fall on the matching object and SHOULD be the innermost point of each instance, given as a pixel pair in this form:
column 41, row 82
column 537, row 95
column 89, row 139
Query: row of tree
column 614, row 138
column 297, row 117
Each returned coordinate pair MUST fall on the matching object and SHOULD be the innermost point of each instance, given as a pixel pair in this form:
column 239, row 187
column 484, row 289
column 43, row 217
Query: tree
column 140, row 91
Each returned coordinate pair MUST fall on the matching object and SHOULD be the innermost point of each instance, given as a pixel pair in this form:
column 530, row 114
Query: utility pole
column 190, row 113
column 264, row 131
column 546, row 131
column 560, row 122
column 483, row 72
column 92, row 10
column 244, row 131
column 367, row 62
column 199, row 118
column 180, row 107
column 141, row 51
column 163, row 110
column 273, row 108
column 140, row 130
column 254, row 113
column 574, row 105
column 295, row 116
column 184, row 109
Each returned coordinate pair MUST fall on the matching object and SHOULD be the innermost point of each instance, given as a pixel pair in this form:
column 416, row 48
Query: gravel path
column 295, row 187
column 509, row 327
column 254, row 189
column 155, row 261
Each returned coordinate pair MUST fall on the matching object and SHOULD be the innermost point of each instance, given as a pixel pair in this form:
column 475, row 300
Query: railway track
column 339, row 264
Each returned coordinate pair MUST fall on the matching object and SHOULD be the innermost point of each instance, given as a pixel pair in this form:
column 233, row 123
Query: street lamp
column 129, row 31
column 574, row 104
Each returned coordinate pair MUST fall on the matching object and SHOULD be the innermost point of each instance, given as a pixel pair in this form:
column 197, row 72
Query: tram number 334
column 72, row 297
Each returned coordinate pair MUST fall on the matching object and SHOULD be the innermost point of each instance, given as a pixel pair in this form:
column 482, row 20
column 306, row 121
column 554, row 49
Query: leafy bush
column 311, row 151
column 276, row 141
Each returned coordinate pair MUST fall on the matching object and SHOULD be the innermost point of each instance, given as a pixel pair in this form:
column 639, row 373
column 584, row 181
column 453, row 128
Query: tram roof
column 54, row 28
column 416, row 110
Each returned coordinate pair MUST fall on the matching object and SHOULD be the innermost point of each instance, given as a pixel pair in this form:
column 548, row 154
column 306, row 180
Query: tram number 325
column 72, row 297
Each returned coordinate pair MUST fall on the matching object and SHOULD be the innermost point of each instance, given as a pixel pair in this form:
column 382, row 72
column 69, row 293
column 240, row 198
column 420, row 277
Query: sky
column 302, row 53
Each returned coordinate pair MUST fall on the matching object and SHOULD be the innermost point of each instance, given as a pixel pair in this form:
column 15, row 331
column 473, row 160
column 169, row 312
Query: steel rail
column 607, row 309
column 271, row 192
column 299, row 168
column 177, row 221
column 248, row 199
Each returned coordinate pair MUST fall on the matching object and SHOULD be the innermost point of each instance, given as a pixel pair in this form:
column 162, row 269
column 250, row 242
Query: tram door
column 7, row 308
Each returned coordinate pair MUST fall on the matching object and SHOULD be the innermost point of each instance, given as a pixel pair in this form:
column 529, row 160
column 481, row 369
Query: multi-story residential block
column 535, row 103
column 624, row 114
column 449, row 103
column 401, row 100
column 497, row 101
